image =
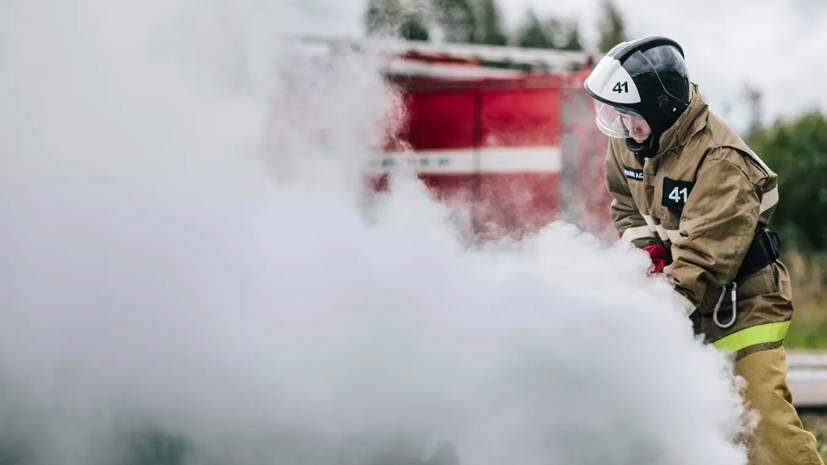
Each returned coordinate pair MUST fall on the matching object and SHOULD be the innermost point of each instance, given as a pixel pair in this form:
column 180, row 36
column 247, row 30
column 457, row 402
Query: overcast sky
column 778, row 46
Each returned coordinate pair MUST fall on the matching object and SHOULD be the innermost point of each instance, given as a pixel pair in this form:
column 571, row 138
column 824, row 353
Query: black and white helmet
column 646, row 78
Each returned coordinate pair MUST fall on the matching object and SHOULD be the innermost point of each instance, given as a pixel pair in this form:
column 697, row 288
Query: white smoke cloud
column 187, row 252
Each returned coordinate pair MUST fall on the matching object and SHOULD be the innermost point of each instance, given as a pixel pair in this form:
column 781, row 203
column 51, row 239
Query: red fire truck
column 507, row 131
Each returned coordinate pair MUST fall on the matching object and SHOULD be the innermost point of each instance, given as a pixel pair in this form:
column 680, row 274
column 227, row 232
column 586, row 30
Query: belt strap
column 765, row 249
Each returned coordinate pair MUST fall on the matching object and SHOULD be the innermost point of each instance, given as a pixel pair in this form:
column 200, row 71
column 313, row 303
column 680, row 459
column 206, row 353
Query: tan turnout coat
column 704, row 196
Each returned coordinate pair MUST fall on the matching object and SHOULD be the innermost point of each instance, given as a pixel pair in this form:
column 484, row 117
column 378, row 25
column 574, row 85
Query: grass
column 808, row 330
column 809, row 277
column 806, row 334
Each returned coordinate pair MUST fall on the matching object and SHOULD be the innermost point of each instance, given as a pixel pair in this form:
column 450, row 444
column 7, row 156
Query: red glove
column 658, row 254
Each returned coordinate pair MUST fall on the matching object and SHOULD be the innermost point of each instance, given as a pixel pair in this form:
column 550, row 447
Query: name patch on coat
column 675, row 193
column 633, row 173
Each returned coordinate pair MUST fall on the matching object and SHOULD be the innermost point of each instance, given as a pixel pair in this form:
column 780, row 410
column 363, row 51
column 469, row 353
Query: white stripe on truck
column 487, row 160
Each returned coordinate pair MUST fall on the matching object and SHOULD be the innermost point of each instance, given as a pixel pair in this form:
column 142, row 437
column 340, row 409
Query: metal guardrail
column 807, row 378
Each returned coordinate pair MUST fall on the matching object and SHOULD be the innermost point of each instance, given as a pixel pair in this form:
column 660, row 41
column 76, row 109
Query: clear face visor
column 616, row 122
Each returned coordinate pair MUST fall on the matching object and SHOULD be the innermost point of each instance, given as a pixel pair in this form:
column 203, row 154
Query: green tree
column 534, row 33
column 539, row 32
column 612, row 31
column 489, row 27
column 754, row 98
column 413, row 27
column 384, row 17
column 457, row 20
column 393, row 18
column 797, row 151
column 570, row 39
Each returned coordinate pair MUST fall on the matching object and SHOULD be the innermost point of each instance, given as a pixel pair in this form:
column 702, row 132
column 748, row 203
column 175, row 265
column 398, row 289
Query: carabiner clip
column 734, row 298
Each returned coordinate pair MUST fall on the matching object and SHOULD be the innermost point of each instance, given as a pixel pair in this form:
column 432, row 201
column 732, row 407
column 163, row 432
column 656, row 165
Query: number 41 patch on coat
column 675, row 193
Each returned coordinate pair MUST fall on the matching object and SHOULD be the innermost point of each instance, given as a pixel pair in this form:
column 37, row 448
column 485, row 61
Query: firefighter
column 688, row 191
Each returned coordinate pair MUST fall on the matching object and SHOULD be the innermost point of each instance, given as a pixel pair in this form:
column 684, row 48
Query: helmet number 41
column 621, row 87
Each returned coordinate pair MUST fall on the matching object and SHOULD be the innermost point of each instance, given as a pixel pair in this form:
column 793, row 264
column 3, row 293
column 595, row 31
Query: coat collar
column 693, row 120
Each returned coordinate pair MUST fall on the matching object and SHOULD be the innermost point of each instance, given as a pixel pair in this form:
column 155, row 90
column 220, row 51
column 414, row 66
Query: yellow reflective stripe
column 674, row 236
column 639, row 232
column 684, row 303
column 769, row 199
column 760, row 334
column 655, row 227
column 671, row 235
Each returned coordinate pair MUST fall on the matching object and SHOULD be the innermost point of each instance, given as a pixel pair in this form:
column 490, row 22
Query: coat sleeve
column 717, row 225
column 626, row 217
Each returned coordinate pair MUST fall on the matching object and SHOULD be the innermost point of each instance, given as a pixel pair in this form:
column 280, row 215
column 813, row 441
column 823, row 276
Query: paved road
column 807, row 377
